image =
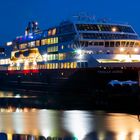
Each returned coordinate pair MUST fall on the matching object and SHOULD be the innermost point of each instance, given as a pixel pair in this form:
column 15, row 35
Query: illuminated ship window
column 62, row 65
column 137, row 44
column 62, row 56
column 103, row 27
column 43, row 42
column 37, row 43
column 49, row 57
column 108, row 36
column 68, row 65
column 56, row 40
column 23, row 46
column 56, row 65
column 47, row 66
column 49, row 33
column 65, row 65
column 74, row 64
column 31, row 44
column 54, row 31
column 52, row 49
column 44, row 66
column 52, row 57
column 4, row 61
column 51, row 41
column 51, row 66
column 48, row 41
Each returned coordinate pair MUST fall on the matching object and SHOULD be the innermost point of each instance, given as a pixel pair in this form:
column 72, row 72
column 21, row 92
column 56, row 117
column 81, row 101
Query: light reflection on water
column 11, row 94
column 84, row 125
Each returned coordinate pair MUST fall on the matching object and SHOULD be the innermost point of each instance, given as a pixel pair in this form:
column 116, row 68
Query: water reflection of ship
column 69, row 125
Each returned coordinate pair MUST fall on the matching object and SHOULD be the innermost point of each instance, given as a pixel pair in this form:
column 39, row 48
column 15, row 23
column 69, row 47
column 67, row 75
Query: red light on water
column 35, row 71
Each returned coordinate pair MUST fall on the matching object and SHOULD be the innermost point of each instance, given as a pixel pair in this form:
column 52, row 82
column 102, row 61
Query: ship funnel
column 32, row 27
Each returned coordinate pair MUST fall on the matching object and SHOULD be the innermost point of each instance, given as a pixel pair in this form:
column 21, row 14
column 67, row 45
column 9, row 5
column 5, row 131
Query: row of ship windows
column 4, row 61
column 50, row 57
column 3, row 68
column 100, row 27
column 107, row 36
column 67, row 65
column 60, row 56
column 52, row 49
column 48, row 41
column 42, row 42
column 110, row 43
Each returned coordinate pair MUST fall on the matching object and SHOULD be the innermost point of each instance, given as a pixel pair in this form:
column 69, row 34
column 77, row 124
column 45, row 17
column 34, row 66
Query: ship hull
column 84, row 79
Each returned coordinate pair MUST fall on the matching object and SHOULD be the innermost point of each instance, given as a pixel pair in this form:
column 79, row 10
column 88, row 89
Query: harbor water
column 18, row 123
column 76, row 124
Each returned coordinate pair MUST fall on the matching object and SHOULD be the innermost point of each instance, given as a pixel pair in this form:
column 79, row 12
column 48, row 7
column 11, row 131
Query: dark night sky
column 15, row 14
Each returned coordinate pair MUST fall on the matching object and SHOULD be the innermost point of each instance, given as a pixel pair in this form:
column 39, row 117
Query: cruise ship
column 82, row 53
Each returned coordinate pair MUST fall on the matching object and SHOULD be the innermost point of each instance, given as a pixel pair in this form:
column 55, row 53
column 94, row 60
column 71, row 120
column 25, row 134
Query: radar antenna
column 103, row 20
column 84, row 17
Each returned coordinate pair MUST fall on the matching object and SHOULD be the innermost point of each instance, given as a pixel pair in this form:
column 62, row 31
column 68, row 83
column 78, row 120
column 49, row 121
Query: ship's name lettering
column 110, row 71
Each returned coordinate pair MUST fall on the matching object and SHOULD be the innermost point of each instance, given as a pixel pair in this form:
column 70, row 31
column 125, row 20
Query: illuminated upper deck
column 87, row 33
